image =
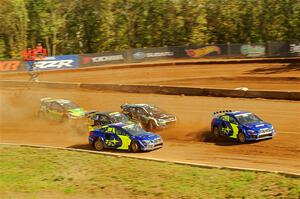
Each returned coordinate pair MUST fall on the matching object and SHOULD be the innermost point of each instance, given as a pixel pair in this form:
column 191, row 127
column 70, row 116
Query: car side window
column 95, row 117
column 120, row 132
column 104, row 119
column 132, row 112
column 104, row 129
column 232, row 120
column 111, row 130
column 56, row 107
column 225, row 118
column 141, row 111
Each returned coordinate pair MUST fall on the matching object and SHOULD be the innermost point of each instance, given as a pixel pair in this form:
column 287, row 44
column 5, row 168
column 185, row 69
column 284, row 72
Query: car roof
column 234, row 113
column 138, row 105
column 229, row 112
column 107, row 113
column 60, row 101
column 63, row 101
column 120, row 124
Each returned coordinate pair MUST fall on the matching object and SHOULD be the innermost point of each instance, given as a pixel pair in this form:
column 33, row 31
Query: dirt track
column 267, row 76
column 189, row 140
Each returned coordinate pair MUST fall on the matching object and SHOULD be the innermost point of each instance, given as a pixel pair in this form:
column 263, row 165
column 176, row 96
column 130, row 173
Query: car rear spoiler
column 89, row 113
column 124, row 105
column 45, row 99
column 217, row 113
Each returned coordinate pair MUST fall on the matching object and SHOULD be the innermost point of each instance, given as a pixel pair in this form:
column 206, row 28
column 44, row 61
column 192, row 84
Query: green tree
column 13, row 32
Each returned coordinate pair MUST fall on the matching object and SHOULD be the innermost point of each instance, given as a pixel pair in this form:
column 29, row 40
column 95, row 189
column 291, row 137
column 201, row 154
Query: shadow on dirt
column 82, row 146
column 221, row 141
column 273, row 70
column 90, row 148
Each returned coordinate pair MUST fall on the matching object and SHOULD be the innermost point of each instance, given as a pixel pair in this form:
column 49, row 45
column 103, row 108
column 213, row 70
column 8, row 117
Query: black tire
column 135, row 147
column 241, row 137
column 216, row 132
column 40, row 114
column 98, row 144
column 64, row 118
column 151, row 125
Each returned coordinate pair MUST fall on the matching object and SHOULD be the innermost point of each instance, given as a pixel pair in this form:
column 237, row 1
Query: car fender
column 98, row 136
column 245, row 132
column 154, row 119
column 139, row 141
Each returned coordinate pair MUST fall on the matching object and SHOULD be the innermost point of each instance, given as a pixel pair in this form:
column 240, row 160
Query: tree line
column 89, row 26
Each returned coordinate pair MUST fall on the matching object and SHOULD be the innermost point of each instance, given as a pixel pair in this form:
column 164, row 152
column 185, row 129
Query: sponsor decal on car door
column 124, row 137
column 111, row 139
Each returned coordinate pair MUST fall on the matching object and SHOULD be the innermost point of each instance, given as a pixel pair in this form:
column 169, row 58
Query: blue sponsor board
column 55, row 63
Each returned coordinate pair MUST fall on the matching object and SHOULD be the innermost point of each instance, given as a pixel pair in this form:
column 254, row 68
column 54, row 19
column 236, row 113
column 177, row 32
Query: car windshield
column 134, row 129
column 154, row 110
column 247, row 118
column 119, row 117
column 70, row 105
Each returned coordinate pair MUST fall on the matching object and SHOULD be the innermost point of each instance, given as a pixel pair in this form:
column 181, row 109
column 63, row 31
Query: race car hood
column 76, row 112
column 164, row 116
column 147, row 136
column 258, row 125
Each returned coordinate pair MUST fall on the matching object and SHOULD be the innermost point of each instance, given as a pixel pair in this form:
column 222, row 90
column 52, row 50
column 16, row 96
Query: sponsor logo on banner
column 295, row 49
column 9, row 65
column 200, row 52
column 253, row 50
column 56, row 62
column 139, row 55
column 87, row 60
column 142, row 55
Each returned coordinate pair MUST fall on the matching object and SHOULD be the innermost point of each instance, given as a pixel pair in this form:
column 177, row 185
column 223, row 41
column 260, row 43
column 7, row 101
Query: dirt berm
column 169, row 90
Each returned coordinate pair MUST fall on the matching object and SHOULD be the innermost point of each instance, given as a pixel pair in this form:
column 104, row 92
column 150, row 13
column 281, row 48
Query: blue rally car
column 124, row 136
column 240, row 125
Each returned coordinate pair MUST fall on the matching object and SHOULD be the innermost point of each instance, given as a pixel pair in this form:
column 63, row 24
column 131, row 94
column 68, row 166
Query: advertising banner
column 56, row 63
column 138, row 55
column 10, row 65
column 253, row 50
column 294, row 49
column 199, row 51
column 102, row 58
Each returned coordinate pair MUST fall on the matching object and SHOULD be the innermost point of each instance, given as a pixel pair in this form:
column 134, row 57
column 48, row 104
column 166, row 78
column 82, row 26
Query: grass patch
column 31, row 173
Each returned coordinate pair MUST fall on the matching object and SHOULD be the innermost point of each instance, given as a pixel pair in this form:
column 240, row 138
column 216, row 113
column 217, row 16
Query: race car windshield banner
column 55, row 63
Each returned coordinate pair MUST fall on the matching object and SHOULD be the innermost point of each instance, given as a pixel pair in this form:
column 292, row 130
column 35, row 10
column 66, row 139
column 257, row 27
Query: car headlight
column 251, row 132
column 146, row 142
column 161, row 121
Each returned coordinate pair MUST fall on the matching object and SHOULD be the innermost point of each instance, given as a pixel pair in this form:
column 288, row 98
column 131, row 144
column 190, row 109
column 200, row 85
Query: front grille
column 158, row 140
column 264, row 130
column 157, row 145
column 265, row 135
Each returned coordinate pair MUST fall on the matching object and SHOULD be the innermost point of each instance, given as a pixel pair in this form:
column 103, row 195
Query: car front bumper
column 261, row 136
column 165, row 124
column 151, row 148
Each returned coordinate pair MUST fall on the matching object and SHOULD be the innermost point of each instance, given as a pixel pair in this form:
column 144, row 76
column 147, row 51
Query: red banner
column 9, row 65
